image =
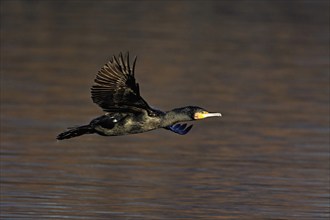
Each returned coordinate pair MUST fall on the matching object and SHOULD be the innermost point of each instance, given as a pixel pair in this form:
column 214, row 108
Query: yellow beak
column 202, row 115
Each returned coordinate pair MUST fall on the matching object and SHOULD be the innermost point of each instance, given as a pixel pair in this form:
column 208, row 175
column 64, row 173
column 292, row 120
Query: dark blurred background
column 263, row 64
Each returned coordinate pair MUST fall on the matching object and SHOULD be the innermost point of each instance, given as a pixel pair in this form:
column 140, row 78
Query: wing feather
column 115, row 86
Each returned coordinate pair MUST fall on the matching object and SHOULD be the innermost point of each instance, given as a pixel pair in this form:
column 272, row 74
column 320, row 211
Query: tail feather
column 75, row 131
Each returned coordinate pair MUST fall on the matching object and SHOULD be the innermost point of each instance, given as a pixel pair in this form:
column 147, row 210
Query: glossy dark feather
column 115, row 88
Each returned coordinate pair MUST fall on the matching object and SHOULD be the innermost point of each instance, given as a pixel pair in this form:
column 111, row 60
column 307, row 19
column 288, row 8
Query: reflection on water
column 263, row 64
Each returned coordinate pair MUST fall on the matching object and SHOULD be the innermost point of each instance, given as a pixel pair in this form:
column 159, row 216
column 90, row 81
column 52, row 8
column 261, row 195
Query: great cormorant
column 117, row 93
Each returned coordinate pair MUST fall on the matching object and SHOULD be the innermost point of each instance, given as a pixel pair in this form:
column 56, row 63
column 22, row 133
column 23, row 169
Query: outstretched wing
column 179, row 128
column 115, row 88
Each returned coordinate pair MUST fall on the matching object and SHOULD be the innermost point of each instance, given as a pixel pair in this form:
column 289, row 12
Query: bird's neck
column 174, row 116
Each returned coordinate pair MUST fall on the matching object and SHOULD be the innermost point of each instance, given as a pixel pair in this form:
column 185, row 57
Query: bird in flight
column 126, row 112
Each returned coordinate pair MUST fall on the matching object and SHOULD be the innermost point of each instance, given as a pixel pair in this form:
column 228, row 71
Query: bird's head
column 188, row 113
column 197, row 113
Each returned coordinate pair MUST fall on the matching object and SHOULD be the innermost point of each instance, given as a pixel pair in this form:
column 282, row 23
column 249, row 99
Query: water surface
column 263, row 64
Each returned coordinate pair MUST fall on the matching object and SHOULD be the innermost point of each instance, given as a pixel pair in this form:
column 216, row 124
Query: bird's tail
column 75, row 131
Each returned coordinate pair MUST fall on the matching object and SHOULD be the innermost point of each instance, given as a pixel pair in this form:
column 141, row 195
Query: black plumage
column 117, row 93
column 115, row 88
